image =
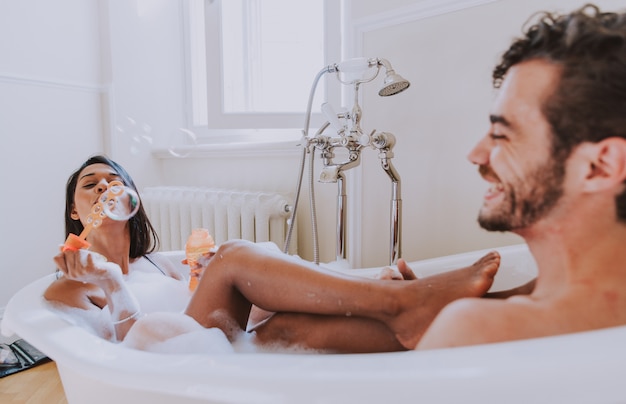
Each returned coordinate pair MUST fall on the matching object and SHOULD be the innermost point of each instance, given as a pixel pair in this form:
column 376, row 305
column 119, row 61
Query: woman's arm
column 83, row 268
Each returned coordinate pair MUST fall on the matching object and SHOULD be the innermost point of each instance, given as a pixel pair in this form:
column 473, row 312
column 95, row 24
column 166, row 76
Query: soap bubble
column 120, row 202
column 139, row 135
column 182, row 142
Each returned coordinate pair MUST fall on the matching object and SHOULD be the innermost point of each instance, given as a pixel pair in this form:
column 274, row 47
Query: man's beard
column 526, row 202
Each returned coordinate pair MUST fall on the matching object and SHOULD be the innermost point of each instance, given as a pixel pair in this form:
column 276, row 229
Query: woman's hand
column 196, row 268
column 89, row 267
column 202, row 262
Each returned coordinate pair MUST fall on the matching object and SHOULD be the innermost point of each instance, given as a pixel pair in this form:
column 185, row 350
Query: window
column 251, row 63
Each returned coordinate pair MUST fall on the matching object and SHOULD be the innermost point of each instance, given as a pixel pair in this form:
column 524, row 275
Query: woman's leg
column 331, row 334
column 242, row 273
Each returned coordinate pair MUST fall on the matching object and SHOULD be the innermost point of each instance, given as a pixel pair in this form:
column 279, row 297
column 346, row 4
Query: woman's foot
column 425, row 297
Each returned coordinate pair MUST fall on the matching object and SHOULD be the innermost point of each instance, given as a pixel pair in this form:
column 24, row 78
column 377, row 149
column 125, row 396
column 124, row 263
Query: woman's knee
column 237, row 252
column 231, row 248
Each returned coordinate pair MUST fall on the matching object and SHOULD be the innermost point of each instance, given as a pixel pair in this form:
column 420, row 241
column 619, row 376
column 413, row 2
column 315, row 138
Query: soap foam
column 164, row 328
column 205, row 341
column 175, row 333
column 97, row 322
column 246, row 342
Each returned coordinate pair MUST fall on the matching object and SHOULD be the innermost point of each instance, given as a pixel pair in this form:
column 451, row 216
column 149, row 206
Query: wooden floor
column 38, row 385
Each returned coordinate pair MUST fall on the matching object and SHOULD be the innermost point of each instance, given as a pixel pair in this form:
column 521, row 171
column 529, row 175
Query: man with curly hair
column 555, row 158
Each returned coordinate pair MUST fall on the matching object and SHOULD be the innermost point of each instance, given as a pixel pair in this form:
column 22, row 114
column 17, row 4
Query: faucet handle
column 329, row 174
column 332, row 117
column 366, row 140
column 384, row 140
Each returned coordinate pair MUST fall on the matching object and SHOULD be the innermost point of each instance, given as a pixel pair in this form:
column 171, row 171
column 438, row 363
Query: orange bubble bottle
column 198, row 244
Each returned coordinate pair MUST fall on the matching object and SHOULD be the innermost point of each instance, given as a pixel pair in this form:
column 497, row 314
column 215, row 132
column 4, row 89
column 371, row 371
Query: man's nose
column 480, row 153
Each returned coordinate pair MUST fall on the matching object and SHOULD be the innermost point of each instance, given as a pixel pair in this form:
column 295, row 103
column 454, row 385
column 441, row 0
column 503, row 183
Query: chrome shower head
column 393, row 84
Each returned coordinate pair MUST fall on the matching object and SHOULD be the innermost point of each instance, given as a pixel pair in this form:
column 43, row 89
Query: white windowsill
column 237, row 143
column 230, row 150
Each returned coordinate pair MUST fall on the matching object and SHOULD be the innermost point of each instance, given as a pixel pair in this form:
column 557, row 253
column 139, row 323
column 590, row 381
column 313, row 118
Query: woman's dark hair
column 143, row 237
column 589, row 103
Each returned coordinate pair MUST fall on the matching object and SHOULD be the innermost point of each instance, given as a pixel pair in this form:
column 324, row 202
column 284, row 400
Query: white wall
column 50, row 120
column 146, row 75
column 73, row 69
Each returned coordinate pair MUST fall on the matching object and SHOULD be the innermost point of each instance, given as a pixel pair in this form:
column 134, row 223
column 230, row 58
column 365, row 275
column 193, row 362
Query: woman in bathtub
column 145, row 297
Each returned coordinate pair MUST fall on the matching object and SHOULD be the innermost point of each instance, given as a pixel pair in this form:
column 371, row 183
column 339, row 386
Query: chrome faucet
column 350, row 138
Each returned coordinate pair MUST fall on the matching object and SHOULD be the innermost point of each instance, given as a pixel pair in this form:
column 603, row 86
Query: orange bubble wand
column 94, row 219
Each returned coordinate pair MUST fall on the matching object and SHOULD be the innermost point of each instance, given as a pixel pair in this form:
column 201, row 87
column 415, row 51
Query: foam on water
column 164, row 328
column 175, row 333
column 205, row 341
column 156, row 292
column 97, row 322
column 246, row 343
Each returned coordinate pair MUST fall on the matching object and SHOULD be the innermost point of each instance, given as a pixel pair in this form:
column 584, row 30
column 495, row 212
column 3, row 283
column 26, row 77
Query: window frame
column 204, row 113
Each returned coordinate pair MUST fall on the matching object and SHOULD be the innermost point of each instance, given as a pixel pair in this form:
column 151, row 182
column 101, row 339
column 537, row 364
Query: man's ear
column 606, row 164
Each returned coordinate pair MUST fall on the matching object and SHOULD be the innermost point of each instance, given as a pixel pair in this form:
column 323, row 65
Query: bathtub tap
column 350, row 138
column 333, row 172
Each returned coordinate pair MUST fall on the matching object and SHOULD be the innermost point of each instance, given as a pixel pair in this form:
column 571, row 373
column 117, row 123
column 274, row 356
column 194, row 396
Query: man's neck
column 566, row 254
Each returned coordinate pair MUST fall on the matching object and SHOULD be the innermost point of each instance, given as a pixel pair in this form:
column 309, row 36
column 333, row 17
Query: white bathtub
column 577, row 368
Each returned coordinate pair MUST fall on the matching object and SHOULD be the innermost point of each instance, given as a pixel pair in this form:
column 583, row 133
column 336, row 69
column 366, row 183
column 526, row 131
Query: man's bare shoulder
column 473, row 321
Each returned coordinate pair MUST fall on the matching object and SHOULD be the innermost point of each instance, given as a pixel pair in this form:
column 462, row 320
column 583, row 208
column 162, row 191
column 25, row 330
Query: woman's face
column 92, row 182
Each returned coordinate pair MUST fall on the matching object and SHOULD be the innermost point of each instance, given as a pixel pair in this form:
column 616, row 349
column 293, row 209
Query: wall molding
column 52, row 83
column 418, row 11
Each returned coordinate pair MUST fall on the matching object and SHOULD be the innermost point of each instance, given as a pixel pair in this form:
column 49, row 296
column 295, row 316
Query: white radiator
column 227, row 214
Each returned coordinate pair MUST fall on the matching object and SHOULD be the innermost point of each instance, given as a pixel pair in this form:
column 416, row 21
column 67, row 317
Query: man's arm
column 470, row 321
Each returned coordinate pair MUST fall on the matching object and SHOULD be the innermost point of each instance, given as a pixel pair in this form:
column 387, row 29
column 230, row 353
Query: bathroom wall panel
column 448, row 58
column 50, row 120
column 47, row 130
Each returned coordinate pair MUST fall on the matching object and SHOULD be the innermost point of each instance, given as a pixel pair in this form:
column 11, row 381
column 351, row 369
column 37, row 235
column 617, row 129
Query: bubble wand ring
column 95, row 217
